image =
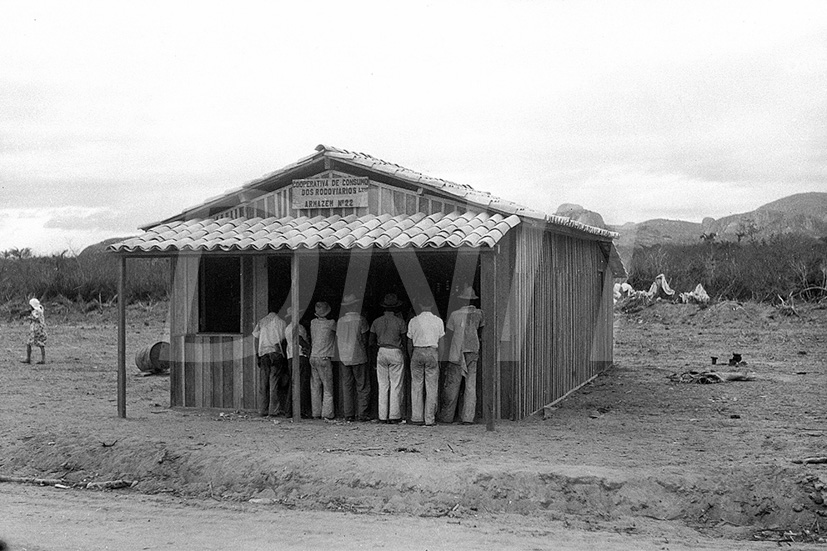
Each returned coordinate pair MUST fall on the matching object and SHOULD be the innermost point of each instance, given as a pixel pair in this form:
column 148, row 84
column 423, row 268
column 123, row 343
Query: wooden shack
column 337, row 222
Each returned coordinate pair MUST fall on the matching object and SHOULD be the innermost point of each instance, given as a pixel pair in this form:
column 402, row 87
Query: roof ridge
column 461, row 192
column 321, row 148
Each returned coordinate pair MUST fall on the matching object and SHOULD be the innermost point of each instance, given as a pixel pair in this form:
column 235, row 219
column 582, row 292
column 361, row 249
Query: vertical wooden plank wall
column 183, row 316
column 506, row 364
column 176, row 360
column 244, row 372
column 602, row 350
column 559, row 320
column 255, row 290
column 215, row 371
column 528, row 299
column 488, row 359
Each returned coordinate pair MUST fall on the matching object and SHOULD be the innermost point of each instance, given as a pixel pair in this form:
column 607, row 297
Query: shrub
column 785, row 265
column 85, row 278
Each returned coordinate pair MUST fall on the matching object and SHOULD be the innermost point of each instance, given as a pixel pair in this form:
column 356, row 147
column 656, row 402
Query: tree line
column 82, row 279
column 751, row 270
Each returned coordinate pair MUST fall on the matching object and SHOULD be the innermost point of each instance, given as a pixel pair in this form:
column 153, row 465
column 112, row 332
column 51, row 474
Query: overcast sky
column 116, row 114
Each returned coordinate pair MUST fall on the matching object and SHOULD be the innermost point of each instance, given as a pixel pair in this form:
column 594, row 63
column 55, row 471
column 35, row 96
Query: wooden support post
column 122, row 337
column 488, row 354
column 294, row 322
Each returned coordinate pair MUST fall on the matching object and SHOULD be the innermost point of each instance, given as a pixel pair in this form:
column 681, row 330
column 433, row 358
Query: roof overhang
column 440, row 230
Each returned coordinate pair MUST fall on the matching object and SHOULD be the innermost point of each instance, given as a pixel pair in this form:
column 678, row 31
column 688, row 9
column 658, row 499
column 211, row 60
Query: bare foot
column 25, row 361
column 41, row 362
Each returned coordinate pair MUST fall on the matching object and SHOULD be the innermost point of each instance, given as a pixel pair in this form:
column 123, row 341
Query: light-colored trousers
column 321, row 387
column 450, row 391
column 390, row 365
column 424, row 380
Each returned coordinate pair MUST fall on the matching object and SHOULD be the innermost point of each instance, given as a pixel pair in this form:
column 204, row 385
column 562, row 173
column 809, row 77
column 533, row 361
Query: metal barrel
column 153, row 358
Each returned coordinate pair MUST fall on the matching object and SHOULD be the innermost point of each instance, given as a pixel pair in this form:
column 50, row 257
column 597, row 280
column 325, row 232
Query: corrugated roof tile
column 384, row 231
column 454, row 240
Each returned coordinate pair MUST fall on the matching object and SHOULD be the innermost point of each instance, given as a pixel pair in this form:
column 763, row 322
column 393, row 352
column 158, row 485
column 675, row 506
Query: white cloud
column 146, row 108
column 51, row 230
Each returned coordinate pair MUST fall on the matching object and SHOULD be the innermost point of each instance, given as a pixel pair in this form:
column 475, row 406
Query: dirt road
column 41, row 519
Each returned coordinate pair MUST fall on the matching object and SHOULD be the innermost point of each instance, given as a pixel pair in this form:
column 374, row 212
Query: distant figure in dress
column 37, row 332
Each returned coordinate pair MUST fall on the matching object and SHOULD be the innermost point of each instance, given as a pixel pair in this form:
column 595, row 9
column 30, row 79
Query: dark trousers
column 356, row 382
column 273, row 385
column 304, row 378
column 450, row 392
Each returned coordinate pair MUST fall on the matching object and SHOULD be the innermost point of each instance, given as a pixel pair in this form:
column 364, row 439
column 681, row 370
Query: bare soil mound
column 720, row 458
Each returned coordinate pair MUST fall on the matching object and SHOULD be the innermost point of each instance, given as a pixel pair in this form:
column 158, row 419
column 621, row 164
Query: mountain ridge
column 801, row 213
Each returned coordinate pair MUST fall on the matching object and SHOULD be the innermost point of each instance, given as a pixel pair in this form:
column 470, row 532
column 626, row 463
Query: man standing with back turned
column 270, row 332
column 388, row 334
column 425, row 332
column 351, row 338
column 464, row 326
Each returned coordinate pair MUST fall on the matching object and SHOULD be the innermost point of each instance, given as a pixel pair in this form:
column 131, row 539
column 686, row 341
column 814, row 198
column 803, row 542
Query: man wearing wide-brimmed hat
column 304, row 361
column 464, row 329
column 387, row 332
column 425, row 332
column 269, row 332
column 351, row 338
column 323, row 339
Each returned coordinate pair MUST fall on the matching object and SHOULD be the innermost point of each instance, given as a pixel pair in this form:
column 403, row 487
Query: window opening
column 220, row 295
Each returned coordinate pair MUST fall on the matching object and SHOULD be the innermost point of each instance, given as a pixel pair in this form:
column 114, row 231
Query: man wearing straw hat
column 269, row 332
column 425, row 332
column 323, row 340
column 387, row 332
column 351, row 337
column 464, row 326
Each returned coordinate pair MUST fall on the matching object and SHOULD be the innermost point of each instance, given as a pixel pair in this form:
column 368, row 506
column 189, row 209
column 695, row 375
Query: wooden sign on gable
column 322, row 193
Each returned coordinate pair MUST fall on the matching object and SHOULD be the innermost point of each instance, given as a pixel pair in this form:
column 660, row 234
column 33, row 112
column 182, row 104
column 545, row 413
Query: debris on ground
column 790, row 536
column 712, row 377
column 787, row 307
column 31, row 480
column 109, row 485
column 811, row 460
column 696, row 296
column 629, row 300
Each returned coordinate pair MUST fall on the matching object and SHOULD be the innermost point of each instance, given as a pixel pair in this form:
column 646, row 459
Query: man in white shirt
column 269, row 332
column 425, row 332
column 351, row 336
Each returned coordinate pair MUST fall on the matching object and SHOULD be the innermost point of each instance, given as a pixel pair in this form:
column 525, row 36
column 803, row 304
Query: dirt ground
column 634, row 453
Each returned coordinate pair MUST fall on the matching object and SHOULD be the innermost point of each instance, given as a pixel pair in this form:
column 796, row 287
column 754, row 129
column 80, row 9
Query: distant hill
column 100, row 247
column 579, row 214
column 803, row 213
column 658, row 231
